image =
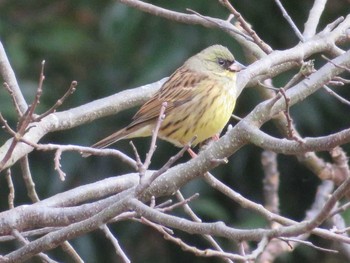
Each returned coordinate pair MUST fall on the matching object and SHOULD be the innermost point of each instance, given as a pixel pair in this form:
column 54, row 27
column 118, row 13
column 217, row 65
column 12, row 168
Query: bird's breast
column 204, row 116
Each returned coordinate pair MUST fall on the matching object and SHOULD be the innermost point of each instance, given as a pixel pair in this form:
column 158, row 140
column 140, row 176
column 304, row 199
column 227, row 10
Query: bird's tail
column 114, row 137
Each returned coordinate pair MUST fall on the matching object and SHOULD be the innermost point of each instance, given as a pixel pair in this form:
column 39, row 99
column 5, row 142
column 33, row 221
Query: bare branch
column 182, row 202
column 194, row 250
column 198, row 19
column 28, row 180
column 11, row 196
column 118, row 250
column 219, row 24
column 59, row 102
column 146, row 183
column 292, row 135
column 290, row 21
column 17, row 107
column 271, row 181
column 57, row 159
column 322, row 143
column 53, row 239
column 10, row 78
column 341, row 170
column 155, row 135
column 335, row 95
column 314, row 18
column 76, row 148
column 265, row 47
column 340, row 209
column 30, row 185
column 335, row 64
column 24, row 241
column 306, row 69
column 310, row 244
column 195, row 218
column 126, row 99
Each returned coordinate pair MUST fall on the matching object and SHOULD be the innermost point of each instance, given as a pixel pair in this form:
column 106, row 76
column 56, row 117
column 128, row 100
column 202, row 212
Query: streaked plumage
column 200, row 96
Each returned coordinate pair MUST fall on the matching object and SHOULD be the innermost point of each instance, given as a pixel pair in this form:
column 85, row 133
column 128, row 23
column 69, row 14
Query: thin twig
column 24, row 121
column 243, row 23
column 24, row 241
column 290, row 21
column 324, row 212
column 28, row 179
column 331, row 26
column 12, row 146
column 324, row 190
column 180, row 17
column 59, row 102
column 67, row 248
column 219, row 23
column 123, row 216
column 235, row 117
column 10, row 78
column 77, row 148
column 144, row 184
column 17, row 107
column 335, row 83
column 342, row 231
column 335, row 64
column 309, row 244
column 195, row 250
column 57, row 159
column 197, row 19
column 291, row 134
column 187, row 208
column 306, row 69
column 11, row 196
column 246, row 203
column 28, row 117
column 340, row 209
column 338, row 222
column 343, row 80
column 182, row 203
column 139, row 163
column 141, row 187
column 164, row 204
column 155, row 131
column 337, row 96
column 118, row 250
column 195, row 218
column 261, row 247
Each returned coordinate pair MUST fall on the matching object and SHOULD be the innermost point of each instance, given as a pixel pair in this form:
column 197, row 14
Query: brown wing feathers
column 177, row 90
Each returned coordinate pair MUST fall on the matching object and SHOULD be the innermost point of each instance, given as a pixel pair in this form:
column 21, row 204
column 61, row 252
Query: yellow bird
column 200, row 96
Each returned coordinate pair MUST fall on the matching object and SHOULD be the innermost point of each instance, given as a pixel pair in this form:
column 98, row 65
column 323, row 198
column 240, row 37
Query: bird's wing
column 177, row 90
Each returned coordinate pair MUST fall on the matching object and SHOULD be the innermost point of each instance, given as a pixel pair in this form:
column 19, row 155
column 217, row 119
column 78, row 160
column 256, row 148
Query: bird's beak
column 236, row 67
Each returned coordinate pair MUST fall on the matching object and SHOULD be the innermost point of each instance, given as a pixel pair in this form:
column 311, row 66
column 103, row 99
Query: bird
column 200, row 97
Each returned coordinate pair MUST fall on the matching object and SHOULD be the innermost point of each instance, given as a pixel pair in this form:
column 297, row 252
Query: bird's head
column 214, row 59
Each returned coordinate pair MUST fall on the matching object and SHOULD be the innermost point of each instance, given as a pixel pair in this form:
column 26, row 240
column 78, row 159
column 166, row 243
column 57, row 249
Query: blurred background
column 108, row 47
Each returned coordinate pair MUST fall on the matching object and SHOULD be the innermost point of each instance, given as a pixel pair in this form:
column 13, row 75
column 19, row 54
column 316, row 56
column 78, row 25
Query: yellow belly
column 204, row 116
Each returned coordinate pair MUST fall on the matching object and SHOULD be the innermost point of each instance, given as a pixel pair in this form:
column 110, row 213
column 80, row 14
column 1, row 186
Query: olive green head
column 214, row 59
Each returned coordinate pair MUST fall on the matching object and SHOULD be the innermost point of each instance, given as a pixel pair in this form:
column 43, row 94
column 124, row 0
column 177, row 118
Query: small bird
column 200, row 97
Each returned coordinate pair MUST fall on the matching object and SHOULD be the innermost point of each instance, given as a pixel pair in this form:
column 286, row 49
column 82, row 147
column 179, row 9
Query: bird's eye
column 221, row 62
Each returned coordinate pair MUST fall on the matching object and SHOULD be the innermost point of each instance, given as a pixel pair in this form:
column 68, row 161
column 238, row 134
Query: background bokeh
column 108, row 47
